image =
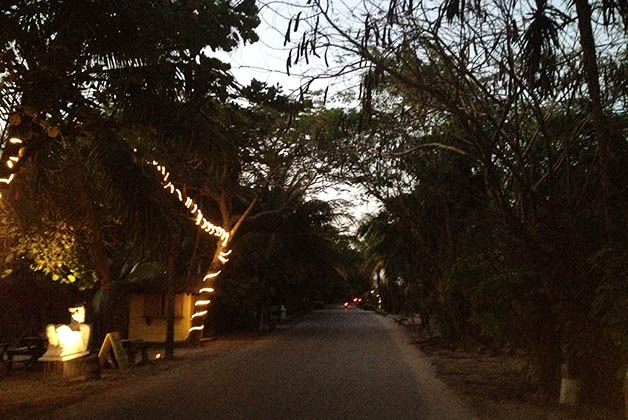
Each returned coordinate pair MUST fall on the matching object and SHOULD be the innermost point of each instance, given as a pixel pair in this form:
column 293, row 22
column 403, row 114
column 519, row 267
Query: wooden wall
column 153, row 328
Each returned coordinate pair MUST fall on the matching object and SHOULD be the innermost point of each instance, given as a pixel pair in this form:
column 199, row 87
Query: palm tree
column 292, row 258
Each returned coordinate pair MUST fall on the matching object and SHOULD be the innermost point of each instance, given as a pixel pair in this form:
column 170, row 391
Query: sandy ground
column 497, row 387
column 28, row 394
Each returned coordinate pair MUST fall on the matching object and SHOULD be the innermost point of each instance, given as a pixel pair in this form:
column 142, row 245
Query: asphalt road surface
column 334, row 364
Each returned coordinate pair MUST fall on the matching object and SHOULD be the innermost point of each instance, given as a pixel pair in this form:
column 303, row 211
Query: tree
column 292, row 259
column 73, row 92
column 508, row 104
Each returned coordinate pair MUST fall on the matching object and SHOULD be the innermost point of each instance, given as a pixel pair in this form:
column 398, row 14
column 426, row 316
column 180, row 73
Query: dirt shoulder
column 31, row 393
column 497, row 387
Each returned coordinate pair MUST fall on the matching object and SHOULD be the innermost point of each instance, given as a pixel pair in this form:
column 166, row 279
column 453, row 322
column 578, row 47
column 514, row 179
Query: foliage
column 496, row 143
column 293, row 259
column 53, row 248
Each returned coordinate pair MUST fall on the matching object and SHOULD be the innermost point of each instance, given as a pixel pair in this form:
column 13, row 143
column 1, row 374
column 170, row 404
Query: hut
column 148, row 314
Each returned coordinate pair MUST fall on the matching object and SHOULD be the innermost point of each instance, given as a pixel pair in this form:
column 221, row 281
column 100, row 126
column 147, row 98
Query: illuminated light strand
column 205, row 225
column 211, row 275
column 7, row 180
column 13, row 160
column 199, row 314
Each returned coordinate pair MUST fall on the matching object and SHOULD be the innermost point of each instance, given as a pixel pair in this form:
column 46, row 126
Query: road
column 334, row 364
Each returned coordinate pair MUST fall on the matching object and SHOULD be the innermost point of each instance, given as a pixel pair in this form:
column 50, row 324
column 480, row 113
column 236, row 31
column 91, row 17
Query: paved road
column 334, row 364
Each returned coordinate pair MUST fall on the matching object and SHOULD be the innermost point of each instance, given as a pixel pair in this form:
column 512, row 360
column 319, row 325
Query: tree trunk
column 170, row 296
column 599, row 120
column 216, row 265
column 547, row 355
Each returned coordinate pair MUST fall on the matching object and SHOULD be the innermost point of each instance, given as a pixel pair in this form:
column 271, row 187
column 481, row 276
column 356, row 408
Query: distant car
column 346, row 305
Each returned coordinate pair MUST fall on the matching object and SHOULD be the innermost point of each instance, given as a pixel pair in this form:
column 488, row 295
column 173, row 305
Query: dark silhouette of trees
column 495, row 143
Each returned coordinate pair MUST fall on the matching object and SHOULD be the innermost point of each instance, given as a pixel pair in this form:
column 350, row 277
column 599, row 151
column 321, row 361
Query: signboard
column 112, row 342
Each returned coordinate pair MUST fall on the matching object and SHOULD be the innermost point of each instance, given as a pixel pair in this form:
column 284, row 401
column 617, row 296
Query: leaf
column 144, row 271
column 287, row 37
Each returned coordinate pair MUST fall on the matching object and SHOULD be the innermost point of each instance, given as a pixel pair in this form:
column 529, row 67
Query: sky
column 265, row 61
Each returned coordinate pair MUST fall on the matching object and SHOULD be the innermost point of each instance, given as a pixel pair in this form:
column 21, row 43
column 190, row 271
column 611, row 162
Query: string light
column 205, row 224
column 13, row 160
column 223, row 256
column 199, row 314
column 211, row 275
column 7, row 180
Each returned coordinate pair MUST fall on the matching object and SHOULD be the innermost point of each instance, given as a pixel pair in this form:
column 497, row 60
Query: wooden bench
column 133, row 347
column 30, row 349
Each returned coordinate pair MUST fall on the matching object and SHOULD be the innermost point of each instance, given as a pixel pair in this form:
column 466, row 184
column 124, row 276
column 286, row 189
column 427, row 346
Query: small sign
column 112, row 342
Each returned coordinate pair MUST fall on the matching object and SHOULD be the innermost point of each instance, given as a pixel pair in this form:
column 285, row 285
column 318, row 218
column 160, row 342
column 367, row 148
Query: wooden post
column 170, row 294
column 170, row 298
column 626, row 395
